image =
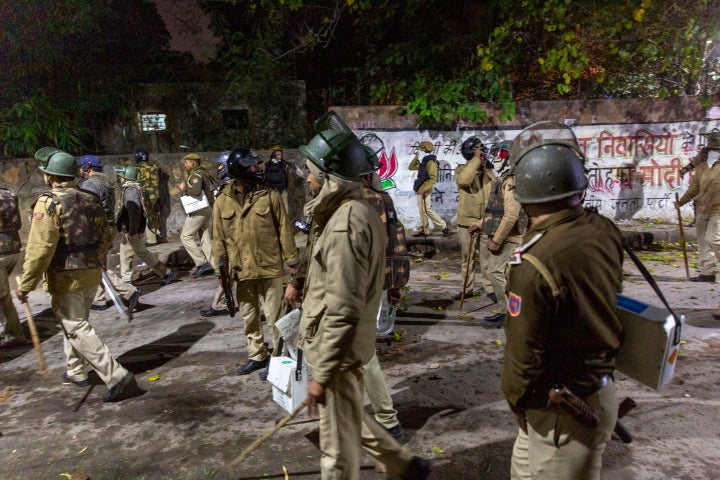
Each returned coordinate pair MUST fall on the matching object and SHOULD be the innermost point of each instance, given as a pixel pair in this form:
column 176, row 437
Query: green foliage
column 29, row 125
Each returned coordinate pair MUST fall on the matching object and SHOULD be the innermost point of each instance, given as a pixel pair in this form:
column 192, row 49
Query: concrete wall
column 634, row 149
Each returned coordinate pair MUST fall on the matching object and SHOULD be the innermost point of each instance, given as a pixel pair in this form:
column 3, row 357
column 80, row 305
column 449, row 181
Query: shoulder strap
column 544, row 272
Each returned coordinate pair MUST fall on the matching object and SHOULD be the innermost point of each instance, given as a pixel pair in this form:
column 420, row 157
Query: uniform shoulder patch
column 37, row 216
column 514, row 304
column 194, row 180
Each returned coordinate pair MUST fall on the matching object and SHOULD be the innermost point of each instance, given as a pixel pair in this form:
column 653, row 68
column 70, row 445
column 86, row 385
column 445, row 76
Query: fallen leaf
column 438, row 450
column 153, row 378
column 66, row 475
column 498, row 342
column 81, row 451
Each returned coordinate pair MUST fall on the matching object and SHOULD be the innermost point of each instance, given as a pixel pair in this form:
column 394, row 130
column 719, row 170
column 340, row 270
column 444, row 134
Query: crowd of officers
column 553, row 267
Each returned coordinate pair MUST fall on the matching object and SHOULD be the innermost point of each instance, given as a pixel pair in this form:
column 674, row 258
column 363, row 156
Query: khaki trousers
column 497, row 267
column 136, row 246
column 83, row 347
column 8, row 315
column 124, row 289
column 252, row 296
column 426, row 211
column 345, row 427
column 708, row 238
column 198, row 244
column 377, row 392
column 471, row 243
column 558, row 447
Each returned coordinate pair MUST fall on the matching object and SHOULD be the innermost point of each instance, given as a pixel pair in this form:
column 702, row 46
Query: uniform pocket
column 313, row 311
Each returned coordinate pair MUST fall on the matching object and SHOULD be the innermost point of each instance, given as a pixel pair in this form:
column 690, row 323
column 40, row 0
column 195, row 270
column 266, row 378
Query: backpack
column 148, row 176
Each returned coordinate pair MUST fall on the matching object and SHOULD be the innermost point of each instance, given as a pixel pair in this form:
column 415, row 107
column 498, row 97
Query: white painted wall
column 633, row 168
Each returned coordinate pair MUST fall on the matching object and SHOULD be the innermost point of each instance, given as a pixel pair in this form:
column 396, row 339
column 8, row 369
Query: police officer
column 196, row 233
column 10, row 224
column 705, row 190
column 503, row 225
column 69, row 235
column 131, row 224
column 277, row 174
column 397, row 274
column 219, row 306
column 562, row 327
column 474, row 181
column 154, row 188
column 337, row 329
column 426, row 179
column 95, row 181
column 252, row 232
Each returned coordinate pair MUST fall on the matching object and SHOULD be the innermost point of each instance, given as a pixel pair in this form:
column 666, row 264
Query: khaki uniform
column 252, row 229
column 562, row 328
column 337, row 329
column 427, row 178
column 504, row 226
column 474, row 183
column 131, row 224
column 10, row 224
column 196, row 234
column 705, row 190
column 69, row 234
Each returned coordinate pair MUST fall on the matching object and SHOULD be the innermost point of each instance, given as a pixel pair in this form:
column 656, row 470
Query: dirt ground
column 443, row 367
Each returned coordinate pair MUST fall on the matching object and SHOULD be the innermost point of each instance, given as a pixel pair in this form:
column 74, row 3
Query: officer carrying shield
column 562, row 328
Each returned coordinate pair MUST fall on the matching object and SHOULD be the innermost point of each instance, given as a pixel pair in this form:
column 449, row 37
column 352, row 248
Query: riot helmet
column 86, row 162
column 547, row 163
column 61, row 164
column 44, row 154
column 127, row 172
column 238, row 165
column 335, row 149
column 469, row 145
column 141, row 155
column 372, row 145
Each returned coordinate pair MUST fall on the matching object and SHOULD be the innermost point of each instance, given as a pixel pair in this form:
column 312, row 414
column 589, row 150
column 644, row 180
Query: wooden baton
column 682, row 235
column 34, row 335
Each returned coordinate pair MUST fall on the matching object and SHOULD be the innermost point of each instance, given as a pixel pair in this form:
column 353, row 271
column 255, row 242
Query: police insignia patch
column 194, row 180
column 38, row 216
column 514, row 303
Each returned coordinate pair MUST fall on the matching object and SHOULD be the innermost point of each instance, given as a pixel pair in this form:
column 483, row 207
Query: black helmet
column 141, row 155
column 469, row 144
column 238, row 165
column 335, row 149
column 547, row 163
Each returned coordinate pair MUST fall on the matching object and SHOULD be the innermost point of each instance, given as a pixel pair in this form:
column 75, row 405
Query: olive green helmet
column 61, row 164
column 335, row 149
column 44, row 154
column 128, row 172
column 547, row 163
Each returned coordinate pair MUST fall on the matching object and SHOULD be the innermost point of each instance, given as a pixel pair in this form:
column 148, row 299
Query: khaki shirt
column 253, row 230
column 570, row 339
column 474, row 186
column 344, row 280
column 432, row 172
column 705, row 189
column 41, row 245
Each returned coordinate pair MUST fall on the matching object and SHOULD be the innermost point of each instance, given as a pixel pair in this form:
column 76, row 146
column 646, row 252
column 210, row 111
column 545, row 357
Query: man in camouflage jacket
column 10, row 224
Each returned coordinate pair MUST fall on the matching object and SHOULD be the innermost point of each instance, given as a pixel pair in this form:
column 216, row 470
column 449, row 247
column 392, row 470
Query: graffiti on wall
column 633, row 170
